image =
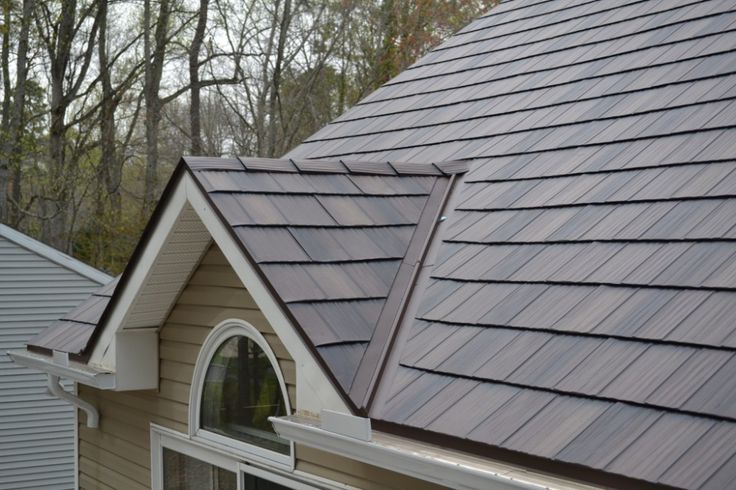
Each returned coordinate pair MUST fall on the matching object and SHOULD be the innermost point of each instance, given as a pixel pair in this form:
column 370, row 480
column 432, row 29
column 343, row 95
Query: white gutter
column 64, row 368
column 422, row 461
column 55, row 388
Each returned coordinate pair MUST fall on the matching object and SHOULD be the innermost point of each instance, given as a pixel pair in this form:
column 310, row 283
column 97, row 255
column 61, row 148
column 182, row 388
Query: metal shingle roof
column 583, row 289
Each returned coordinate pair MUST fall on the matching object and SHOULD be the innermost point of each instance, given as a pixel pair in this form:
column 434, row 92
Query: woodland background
column 101, row 98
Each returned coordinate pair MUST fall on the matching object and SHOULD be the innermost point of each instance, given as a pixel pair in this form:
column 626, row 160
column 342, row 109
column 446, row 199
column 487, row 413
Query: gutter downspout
column 55, row 388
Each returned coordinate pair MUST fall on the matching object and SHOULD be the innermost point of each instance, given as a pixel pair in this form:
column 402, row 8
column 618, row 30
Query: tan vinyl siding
column 117, row 455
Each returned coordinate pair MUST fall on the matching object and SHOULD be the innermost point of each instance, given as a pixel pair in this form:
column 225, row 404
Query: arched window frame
column 222, row 332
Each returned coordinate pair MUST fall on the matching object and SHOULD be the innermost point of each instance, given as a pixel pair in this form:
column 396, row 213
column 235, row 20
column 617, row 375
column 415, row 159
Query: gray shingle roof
column 581, row 306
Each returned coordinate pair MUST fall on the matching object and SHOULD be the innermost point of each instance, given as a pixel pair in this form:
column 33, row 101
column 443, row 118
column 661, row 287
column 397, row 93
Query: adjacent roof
column 73, row 331
column 580, row 312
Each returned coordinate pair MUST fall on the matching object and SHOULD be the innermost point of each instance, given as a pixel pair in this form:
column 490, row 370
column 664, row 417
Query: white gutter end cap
column 346, row 425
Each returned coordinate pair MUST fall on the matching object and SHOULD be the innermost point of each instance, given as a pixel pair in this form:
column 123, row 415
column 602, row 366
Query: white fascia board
column 103, row 353
column 54, row 255
column 75, row 371
column 314, row 390
column 418, row 460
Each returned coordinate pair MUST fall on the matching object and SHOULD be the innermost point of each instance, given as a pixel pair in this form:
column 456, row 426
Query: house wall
column 117, row 455
column 36, row 430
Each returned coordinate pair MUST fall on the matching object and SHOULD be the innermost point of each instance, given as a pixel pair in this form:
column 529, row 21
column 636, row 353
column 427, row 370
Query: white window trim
column 224, row 330
column 161, row 438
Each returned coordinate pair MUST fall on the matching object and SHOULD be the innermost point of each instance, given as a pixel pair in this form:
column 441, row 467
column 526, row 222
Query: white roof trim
column 54, row 255
column 423, row 461
column 76, row 371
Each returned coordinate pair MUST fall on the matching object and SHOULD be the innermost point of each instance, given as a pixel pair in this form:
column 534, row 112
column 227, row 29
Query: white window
column 237, row 385
column 180, row 463
column 230, row 444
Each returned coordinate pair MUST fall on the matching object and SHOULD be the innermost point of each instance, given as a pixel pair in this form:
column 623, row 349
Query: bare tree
column 12, row 118
column 5, row 116
column 195, row 89
column 59, row 26
column 154, row 54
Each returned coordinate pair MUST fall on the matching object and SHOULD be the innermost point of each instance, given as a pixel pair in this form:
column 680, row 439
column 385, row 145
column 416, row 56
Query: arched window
column 237, row 386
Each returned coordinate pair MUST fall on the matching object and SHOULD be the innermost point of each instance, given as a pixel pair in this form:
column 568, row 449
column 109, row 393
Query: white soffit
column 185, row 245
column 173, row 251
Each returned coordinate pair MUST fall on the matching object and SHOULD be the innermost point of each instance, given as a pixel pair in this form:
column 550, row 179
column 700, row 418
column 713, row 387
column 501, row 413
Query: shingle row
column 616, row 437
column 72, row 332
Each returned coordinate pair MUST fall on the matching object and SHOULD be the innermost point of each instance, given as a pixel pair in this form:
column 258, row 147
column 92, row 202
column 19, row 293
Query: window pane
column 251, row 482
column 240, row 392
column 182, row 472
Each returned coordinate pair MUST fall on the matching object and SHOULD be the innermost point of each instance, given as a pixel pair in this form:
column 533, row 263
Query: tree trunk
column 105, row 192
column 11, row 149
column 111, row 169
column 274, row 108
column 64, row 89
column 55, row 197
column 5, row 117
column 154, row 70
column 195, row 86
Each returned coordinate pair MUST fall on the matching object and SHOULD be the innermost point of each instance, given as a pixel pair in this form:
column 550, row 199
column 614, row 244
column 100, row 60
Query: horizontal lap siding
column 117, row 455
column 36, row 430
